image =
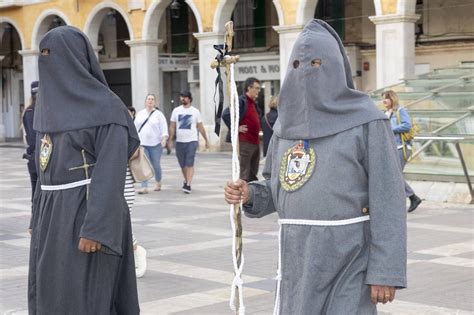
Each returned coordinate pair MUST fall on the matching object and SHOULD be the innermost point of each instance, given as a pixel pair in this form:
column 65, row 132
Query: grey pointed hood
column 317, row 98
column 73, row 93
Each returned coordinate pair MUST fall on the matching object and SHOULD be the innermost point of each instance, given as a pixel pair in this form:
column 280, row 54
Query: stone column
column 2, row 126
column 288, row 35
column 207, row 76
column 30, row 71
column 395, row 47
column 144, row 69
column 97, row 48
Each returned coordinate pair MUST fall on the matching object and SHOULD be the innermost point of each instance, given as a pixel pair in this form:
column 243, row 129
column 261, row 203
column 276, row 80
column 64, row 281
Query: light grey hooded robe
column 328, row 269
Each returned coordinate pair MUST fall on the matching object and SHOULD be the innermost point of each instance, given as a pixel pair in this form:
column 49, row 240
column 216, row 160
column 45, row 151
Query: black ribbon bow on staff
column 222, row 49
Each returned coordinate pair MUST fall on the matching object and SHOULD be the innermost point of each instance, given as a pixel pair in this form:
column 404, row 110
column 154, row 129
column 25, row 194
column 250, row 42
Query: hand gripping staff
column 224, row 59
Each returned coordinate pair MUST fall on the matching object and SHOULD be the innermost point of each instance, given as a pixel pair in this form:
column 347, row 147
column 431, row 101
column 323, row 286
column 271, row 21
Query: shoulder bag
column 140, row 167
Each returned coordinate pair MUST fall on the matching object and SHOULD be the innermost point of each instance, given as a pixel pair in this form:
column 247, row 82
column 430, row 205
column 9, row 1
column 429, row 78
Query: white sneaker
column 140, row 261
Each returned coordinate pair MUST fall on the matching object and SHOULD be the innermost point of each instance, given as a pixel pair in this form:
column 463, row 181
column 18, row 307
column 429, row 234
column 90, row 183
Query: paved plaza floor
column 188, row 238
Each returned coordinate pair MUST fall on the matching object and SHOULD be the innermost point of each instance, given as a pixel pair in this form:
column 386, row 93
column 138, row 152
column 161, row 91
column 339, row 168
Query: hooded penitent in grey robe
column 85, row 137
column 333, row 176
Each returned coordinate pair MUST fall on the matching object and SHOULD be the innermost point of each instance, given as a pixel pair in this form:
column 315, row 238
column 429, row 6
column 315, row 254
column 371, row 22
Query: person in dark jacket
column 268, row 121
column 31, row 137
column 249, row 129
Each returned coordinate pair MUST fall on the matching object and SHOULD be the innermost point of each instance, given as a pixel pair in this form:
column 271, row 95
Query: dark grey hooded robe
column 78, row 117
column 355, row 171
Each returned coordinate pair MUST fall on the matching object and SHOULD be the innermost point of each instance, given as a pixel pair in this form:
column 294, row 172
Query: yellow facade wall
column 77, row 12
column 389, row 7
column 26, row 16
column 207, row 10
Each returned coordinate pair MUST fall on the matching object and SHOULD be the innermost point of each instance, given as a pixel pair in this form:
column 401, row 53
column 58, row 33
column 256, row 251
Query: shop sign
column 167, row 63
column 263, row 70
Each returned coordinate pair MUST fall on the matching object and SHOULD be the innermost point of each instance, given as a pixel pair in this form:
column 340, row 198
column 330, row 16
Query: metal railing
column 456, row 140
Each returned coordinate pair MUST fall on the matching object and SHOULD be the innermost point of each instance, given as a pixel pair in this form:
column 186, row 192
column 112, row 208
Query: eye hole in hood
column 316, row 63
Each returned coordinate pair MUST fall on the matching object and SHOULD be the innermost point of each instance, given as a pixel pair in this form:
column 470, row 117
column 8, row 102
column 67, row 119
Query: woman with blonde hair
column 401, row 123
column 153, row 131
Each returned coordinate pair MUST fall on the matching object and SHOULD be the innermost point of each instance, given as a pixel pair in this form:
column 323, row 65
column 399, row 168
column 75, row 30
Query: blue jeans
column 154, row 155
column 408, row 190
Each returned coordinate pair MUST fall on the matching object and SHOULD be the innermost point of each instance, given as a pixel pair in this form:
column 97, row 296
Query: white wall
column 439, row 56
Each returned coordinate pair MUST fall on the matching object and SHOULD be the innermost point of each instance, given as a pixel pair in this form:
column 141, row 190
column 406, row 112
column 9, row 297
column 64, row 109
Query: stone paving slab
column 188, row 242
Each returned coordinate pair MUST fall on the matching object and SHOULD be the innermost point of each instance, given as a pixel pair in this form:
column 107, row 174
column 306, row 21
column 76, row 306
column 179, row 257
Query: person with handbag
column 401, row 123
column 268, row 121
column 153, row 131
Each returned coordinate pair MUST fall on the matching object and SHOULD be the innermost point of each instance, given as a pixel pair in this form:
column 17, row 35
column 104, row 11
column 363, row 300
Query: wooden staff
column 226, row 63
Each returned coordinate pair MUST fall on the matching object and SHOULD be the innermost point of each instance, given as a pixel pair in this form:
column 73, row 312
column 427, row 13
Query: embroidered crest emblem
column 45, row 151
column 297, row 166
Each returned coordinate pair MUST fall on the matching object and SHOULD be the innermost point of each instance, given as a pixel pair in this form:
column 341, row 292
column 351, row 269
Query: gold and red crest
column 297, row 166
column 45, row 151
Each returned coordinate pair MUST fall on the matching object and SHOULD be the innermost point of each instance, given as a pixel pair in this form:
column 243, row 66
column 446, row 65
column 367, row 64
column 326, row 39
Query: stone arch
column 4, row 19
column 95, row 17
column 225, row 8
column 155, row 12
column 41, row 26
column 305, row 11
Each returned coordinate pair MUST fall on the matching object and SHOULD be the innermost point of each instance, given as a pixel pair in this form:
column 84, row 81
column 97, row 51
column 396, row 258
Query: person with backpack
column 153, row 131
column 401, row 124
column 249, row 129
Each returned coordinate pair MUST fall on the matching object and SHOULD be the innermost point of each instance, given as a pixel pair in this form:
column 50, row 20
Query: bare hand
column 235, row 192
column 89, row 246
column 381, row 294
column 30, row 231
column 243, row 129
column 163, row 143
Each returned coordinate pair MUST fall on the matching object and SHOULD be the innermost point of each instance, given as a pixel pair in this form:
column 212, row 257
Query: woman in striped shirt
column 129, row 193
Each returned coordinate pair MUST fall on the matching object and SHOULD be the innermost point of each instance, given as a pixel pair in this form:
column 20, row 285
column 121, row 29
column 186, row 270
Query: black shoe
column 184, row 186
column 414, row 202
column 187, row 189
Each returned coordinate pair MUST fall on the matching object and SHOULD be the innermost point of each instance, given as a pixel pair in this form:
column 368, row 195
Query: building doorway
column 173, row 83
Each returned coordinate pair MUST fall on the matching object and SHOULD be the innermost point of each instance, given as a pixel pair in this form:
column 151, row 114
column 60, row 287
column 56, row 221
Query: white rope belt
column 67, row 186
column 282, row 222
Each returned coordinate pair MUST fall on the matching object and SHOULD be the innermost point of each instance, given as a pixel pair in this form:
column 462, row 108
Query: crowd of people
column 308, row 144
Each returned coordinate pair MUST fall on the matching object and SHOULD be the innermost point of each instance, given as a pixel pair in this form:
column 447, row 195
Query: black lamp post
column 175, row 8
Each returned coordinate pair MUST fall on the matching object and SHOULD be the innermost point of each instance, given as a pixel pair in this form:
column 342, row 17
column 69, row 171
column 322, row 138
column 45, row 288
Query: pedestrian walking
column 30, row 133
column 139, row 252
column 249, row 129
column 268, row 121
column 81, row 254
column 185, row 122
column 332, row 175
column 401, row 123
column 153, row 130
